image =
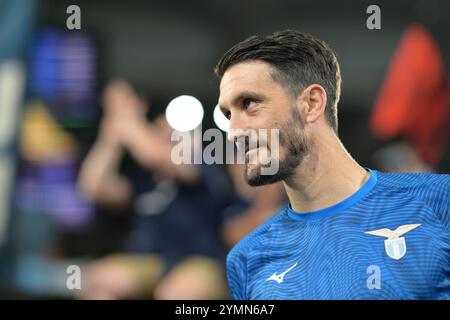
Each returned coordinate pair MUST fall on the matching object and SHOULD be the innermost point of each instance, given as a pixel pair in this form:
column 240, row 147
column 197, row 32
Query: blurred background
column 85, row 171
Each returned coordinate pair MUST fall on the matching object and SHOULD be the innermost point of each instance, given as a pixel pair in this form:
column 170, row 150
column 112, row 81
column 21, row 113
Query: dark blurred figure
column 174, row 250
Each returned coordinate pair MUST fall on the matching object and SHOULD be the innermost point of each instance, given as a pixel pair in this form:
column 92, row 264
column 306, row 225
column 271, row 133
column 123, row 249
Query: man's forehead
column 245, row 76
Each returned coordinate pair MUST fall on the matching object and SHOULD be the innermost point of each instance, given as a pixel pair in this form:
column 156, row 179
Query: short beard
column 297, row 147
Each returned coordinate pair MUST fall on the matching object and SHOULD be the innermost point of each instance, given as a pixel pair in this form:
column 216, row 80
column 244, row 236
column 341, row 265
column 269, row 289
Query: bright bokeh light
column 220, row 120
column 184, row 113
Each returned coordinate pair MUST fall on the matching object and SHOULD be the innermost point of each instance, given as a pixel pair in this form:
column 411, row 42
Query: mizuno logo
column 279, row 277
column 395, row 244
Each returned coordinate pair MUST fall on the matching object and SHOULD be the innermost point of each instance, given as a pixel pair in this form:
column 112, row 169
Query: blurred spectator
column 174, row 244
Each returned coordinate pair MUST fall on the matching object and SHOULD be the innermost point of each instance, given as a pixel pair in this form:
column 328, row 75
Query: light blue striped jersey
column 389, row 240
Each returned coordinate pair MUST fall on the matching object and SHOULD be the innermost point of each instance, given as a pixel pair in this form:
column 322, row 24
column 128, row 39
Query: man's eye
column 248, row 103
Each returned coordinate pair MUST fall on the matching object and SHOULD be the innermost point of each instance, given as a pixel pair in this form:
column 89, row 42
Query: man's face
column 252, row 100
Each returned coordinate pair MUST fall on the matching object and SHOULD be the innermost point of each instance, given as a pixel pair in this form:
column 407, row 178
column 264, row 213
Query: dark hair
column 298, row 60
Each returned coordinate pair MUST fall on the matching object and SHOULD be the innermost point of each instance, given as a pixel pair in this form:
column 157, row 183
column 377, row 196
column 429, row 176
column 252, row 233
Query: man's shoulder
column 255, row 238
column 431, row 190
column 415, row 182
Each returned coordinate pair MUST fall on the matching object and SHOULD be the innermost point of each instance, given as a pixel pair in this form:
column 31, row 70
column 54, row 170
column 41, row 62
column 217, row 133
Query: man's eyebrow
column 244, row 95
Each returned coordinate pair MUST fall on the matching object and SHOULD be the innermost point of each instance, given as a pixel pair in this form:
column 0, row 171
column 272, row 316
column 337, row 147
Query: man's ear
column 314, row 99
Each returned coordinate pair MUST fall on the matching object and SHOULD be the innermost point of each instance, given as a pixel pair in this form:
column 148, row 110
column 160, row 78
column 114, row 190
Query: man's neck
column 326, row 176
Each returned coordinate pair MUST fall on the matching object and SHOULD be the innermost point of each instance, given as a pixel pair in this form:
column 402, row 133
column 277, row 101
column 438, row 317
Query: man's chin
column 255, row 178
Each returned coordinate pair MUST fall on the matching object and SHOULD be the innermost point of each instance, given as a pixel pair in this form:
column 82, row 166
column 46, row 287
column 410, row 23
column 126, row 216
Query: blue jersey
column 389, row 240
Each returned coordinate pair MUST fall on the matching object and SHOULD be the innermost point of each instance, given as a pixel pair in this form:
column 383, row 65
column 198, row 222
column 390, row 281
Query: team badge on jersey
column 395, row 244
